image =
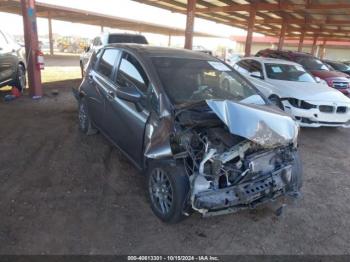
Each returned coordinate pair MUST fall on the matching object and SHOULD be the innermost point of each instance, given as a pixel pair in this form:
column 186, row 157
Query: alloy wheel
column 161, row 191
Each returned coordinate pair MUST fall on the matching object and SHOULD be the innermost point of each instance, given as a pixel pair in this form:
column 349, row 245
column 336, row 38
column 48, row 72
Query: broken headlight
column 300, row 103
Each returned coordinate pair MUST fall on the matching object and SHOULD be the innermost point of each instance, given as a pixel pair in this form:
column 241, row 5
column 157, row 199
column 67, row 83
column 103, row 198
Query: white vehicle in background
column 105, row 39
column 311, row 101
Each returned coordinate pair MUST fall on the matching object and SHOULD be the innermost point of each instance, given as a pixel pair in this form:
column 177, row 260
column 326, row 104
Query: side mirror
column 129, row 93
column 318, row 80
column 256, row 74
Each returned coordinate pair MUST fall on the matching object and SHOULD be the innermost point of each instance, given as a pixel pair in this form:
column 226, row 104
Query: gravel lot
column 65, row 193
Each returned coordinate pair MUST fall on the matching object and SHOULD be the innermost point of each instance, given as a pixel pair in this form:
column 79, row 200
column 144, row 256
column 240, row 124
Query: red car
column 315, row 66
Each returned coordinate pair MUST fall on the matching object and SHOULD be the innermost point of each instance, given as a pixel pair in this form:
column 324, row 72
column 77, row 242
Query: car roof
column 156, row 51
column 286, row 52
column 271, row 60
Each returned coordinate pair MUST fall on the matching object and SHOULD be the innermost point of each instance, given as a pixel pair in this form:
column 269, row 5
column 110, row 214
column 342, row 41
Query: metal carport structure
column 30, row 9
column 319, row 20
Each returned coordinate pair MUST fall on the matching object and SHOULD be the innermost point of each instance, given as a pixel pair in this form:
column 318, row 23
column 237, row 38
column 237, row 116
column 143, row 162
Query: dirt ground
column 65, row 193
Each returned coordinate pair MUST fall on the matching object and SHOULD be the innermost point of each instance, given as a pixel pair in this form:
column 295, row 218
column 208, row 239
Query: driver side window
column 131, row 74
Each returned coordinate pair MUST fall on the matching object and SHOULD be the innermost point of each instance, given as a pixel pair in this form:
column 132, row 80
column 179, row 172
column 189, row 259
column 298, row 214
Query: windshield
column 310, row 63
column 193, row 80
column 288, row 73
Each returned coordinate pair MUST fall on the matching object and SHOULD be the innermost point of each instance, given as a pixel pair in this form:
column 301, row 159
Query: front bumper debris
column 243, row 196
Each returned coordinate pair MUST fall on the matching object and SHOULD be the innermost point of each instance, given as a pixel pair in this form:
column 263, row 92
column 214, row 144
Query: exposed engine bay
column 228, row 172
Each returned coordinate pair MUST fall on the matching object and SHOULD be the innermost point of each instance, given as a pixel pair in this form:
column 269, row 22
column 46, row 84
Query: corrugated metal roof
column 86, row 17
column 327, row 19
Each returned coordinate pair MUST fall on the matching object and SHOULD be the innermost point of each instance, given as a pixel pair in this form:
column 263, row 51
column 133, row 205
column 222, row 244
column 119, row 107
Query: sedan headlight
column 300, row 103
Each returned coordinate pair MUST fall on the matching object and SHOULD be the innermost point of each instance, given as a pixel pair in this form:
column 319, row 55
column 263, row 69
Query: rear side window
column 107, row 62
column 255, row 66
column 242, row 66
column 131, row 73
column 95, row 58
column 137, row 39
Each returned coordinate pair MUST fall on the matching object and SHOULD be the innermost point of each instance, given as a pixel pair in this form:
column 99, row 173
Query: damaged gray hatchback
column 206, row 139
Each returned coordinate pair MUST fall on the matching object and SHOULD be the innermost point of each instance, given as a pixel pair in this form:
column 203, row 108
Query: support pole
column 250, row 30
column 31, row 46
column 282, row 35
column 323, row 49
column 50, row 34
column 102, row 29
column 314, row 46
column 191, row 6
column 301, row 41
column 169, row 40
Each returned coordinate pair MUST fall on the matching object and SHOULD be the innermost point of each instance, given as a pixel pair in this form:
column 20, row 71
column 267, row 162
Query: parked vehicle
column 338, row 66
column 290, row 87
column 315, row 66
column 202, row 146
column 12, row 63
column 233, row 58
column 105, row 39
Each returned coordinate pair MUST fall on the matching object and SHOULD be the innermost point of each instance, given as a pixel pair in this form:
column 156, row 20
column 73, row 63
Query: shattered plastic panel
column 261, row 124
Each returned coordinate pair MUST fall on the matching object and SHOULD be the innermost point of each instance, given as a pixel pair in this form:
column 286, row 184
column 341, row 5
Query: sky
column 121, row 8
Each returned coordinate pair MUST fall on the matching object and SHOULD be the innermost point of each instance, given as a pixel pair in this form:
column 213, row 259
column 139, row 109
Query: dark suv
column 12, row 63
column 315, row 66
column 203, row 145
column 109, row 38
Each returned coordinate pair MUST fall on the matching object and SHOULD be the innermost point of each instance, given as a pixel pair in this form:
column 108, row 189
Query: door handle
column 90, row 79
column 110, row 94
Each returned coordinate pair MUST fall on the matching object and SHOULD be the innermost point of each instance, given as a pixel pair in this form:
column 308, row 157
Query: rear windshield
column 137, row 39
column 310, row 63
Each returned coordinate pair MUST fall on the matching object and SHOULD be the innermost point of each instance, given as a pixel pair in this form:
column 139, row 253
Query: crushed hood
column 263, row 125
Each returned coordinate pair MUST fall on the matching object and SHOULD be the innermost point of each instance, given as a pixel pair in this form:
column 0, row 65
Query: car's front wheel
column 85, row 124
column 20, row 81
column 168, row 190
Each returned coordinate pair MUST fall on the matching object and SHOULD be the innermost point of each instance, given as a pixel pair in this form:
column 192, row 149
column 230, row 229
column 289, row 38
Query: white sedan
column 311, row 101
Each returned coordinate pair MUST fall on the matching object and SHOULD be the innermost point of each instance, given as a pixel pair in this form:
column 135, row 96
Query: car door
column 126, row 120
column 99, row 82
column 8, row 60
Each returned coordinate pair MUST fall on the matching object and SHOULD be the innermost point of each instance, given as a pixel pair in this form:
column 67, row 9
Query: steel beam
column 250, row 31
column 282, row 35
column 190, row 15
column 323, row 49
column 301, row 41
column 314, row 45
column 169, row 40
column 31, row 46
column 50, row 34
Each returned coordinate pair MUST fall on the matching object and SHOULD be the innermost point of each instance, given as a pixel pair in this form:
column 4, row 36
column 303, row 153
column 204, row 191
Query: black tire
column 85, row 124
column 297, row 173
column 176, row 188
column 21, row 80
column 276, row 101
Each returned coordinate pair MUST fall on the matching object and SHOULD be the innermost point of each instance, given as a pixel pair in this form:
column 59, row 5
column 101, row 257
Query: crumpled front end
column 235, row 155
